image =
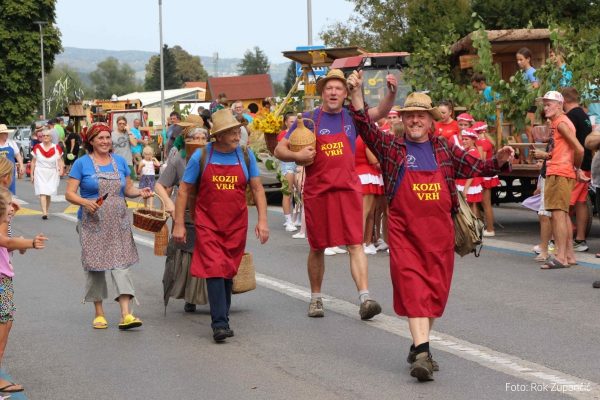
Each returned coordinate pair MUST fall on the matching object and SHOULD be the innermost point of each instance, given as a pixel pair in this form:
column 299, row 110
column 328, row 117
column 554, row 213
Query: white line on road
column 505, row 363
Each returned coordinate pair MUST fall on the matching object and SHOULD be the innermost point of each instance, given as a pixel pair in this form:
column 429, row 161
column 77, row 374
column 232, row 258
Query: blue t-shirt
column 330, row 123
column 192, row 169
column 530, row 75
column 83, row 171
column 137, row 149
column 420, row 157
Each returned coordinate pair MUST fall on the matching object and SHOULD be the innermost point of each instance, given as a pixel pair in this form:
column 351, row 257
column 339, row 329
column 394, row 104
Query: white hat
column 552, row 95
column 3, row 128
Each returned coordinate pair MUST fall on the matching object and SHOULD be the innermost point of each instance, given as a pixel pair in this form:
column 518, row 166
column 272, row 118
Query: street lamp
column 162, row 80
column 309, row 17
column 41, row 25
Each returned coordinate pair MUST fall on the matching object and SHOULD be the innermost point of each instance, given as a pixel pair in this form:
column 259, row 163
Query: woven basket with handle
column 150, row 219
column 245, row 280
column 161, row 241
column 301, row 137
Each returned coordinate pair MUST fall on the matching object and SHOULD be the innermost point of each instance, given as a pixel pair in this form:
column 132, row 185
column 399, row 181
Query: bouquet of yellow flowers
column 268, row 123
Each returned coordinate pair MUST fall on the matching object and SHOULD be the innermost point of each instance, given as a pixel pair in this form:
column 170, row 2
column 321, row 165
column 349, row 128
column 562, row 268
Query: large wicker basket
column 245, row 280
column 301, row 137
column 150, row 219
column 161, row 241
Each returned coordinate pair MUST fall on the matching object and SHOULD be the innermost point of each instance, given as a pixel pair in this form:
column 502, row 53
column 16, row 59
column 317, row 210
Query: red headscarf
column 95, row 129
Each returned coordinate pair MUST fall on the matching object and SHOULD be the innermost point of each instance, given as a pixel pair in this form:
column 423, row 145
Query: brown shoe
column 422, row 367
column 368, row 309
column 412, row 356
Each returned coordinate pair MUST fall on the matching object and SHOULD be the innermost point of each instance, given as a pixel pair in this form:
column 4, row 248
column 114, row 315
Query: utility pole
column 162, row 81
column 309, row 17
column 41, row 25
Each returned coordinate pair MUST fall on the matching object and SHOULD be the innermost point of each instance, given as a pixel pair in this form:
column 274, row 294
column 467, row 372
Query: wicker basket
column 301, row 137
column 161, row 241
column 245, row 280
column 150, row 219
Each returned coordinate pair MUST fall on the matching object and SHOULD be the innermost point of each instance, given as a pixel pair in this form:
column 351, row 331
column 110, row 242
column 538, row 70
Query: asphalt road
column 510, row 329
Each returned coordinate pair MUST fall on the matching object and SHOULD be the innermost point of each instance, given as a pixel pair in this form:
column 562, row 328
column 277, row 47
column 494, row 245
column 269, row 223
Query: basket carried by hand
column 245, row 280
column 150, row 219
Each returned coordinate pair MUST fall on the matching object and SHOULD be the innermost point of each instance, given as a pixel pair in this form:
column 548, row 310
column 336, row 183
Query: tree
column 254, row 63
column 188, row 68
column 172, row 78
column 20, row 68
column 111, row 77
column 290, row 78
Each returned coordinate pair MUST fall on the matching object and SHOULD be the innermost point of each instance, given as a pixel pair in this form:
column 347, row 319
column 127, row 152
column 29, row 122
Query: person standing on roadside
column 579, row 196
column 332, row 190
column 10, row 150
column 122, row 141
column 419, row 171
column 562, row 172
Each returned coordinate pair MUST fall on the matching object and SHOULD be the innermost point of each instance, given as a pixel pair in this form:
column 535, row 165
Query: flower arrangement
column 268, row 123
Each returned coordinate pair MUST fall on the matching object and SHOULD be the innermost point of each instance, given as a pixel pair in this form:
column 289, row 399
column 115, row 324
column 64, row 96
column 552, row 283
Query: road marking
column 484, row 356
column 28, row 211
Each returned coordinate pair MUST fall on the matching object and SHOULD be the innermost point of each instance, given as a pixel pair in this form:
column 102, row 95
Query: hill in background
column 85, row 60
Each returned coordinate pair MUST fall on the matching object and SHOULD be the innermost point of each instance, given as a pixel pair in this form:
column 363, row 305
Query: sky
column 201, row 27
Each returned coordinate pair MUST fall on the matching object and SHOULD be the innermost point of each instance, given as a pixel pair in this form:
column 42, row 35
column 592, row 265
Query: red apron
column 221, row 221
column 332, row 193
column 421, row 240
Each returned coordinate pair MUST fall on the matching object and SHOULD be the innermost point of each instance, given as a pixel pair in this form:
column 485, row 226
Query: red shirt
column 281, row 135
column 447, row 130
column 487, row 147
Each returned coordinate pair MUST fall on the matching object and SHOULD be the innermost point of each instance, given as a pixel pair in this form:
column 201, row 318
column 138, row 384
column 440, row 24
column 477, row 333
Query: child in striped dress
column 471, row 187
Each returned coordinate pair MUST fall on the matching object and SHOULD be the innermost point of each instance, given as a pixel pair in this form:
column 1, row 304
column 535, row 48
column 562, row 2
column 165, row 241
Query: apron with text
column 221, row 218
column 421, row 240
column 105, row 236
column 8, row 152
column 333, row 193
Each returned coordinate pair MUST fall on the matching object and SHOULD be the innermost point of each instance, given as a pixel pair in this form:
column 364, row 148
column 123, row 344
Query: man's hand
column 392, row 83
column 354, row 81
column 505, row 154
column 581, row 176
column 306, row 156
column 262, row 231
column 178, row 233
column 539, row 154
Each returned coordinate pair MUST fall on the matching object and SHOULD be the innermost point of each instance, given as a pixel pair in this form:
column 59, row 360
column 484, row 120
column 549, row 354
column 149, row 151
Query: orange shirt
column 563, row 155
column 447, row 130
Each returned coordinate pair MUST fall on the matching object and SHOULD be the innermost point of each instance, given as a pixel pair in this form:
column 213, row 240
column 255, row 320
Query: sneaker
column 381, row 245
column 488, row 234
column 412, row 356
column 368, row 309
column 596, row 285
column 315, row 308
column 551, row 246
column 290, row 227
column 330, row 252
column 220, row 334
column 422, row 367
column 299, row 235
column 189, row 307
column 370, row 249
column 339, row 250
column 580, row 245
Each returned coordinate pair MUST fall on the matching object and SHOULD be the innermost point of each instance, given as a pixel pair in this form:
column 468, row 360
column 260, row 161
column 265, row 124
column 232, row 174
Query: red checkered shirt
column 391, row 152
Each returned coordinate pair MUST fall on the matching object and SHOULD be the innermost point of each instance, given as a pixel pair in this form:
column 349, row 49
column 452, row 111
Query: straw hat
column 420, row 102
column 222, row 121
column 332, row 74
column 3, row 128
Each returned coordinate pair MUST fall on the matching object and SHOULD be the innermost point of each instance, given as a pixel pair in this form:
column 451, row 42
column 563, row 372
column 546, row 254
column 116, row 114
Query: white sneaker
column 488, row 234
column 298, row 221
column 329, row 251
column 339, row 250
column 299, row 235
column 290, row 227
column 370, row 249
column 381, row 245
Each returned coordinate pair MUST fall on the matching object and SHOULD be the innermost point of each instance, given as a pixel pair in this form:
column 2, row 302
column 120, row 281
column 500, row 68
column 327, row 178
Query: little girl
column 471, row 187
column 447, row 126
column 464, row 121
column 486, row 151
column 7, row 306
column 146, row 170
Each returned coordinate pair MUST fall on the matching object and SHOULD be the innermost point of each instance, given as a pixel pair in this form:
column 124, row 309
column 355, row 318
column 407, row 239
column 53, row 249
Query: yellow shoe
column 129, row 322
column 100, row 323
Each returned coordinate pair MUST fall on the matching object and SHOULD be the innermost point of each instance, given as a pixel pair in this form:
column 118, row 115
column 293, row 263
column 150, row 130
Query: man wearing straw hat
column 219, row 175
column 419, row 170
column 332, row 191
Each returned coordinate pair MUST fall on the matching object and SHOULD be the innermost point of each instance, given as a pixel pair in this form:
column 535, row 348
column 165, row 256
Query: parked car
column 22, row 135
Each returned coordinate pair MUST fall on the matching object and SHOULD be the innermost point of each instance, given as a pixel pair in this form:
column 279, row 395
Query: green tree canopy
column 112, row 77
column 254, row 62
column 188, row 68
column 290, row 78
column 20, row 66
column 173, row 79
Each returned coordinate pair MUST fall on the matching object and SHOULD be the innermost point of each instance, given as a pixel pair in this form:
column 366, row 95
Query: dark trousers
column 219, row 298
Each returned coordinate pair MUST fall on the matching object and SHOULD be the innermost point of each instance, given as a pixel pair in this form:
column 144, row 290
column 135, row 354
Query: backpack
column 468, row 230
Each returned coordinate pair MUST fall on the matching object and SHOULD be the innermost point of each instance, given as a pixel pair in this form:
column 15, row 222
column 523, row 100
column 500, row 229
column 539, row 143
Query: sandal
column 553, row 263
column 7, row 388
column 541, row 258
column 129, row 322
column 100, row 323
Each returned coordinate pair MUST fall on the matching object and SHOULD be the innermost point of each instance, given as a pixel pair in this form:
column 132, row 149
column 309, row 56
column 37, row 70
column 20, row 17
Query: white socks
column 363, row 295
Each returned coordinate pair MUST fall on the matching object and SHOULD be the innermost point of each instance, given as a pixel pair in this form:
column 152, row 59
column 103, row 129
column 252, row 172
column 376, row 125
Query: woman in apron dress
column 103, row 182
column 219, row 177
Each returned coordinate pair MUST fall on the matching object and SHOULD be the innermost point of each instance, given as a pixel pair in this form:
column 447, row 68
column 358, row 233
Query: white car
column 22, row 135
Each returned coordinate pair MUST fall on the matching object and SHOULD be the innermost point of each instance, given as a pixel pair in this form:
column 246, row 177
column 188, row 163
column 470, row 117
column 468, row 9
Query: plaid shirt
column 391, row 152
